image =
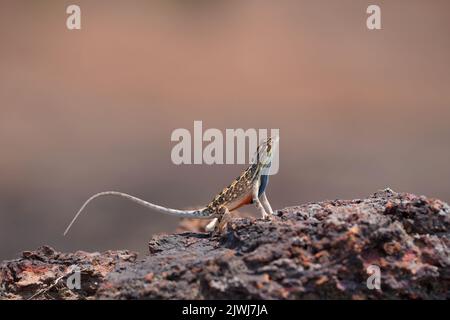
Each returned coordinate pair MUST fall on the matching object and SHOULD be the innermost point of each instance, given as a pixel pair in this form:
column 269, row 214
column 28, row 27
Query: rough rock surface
column 313, row 251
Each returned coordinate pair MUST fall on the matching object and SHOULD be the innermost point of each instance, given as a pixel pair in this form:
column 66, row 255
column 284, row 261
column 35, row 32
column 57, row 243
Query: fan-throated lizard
column 248, row 188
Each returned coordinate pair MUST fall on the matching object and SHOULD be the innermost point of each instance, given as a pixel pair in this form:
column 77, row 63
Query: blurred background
column 93, row 110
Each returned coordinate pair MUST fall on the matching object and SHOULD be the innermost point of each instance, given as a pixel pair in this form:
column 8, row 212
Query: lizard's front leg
column 266, row 203
column 258, row 204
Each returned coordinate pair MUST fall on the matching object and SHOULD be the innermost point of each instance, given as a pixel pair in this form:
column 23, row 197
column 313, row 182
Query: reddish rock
column 313, row 251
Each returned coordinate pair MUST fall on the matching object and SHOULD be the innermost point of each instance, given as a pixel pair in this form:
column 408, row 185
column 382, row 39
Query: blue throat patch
column 263, row 184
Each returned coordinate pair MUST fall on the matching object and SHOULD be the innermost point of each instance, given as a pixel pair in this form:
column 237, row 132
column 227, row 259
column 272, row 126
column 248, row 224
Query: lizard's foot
column 217, row 232
column 218, row 229
column 222, row 220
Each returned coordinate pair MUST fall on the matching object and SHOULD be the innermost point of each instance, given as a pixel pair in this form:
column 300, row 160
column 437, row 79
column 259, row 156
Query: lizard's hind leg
column 225, row 216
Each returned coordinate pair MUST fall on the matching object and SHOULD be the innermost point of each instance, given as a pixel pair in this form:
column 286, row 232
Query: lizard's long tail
column 199, row 214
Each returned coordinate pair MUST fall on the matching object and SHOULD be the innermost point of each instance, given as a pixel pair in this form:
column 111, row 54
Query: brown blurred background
column 92, row 110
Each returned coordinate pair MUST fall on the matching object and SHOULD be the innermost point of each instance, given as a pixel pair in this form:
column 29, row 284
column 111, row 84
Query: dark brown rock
column 313, row 251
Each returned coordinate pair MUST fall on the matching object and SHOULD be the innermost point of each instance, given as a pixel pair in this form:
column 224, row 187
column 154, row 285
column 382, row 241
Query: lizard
column 248, row 188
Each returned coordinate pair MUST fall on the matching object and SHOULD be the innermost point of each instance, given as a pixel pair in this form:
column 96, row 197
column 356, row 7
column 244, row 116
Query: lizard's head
column 265, row 151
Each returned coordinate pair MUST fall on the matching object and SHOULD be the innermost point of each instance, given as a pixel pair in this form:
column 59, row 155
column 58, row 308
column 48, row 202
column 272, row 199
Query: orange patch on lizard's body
column 243, row 202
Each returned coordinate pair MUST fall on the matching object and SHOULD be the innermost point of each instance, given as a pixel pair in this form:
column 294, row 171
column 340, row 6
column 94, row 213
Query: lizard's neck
column 256, row 170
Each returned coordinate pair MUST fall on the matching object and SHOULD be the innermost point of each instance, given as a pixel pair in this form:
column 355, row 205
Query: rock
column 324, row 250
column 42, row 274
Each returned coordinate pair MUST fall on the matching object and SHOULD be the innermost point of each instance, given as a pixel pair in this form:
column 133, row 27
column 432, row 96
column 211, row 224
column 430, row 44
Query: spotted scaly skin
column 248, row 188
